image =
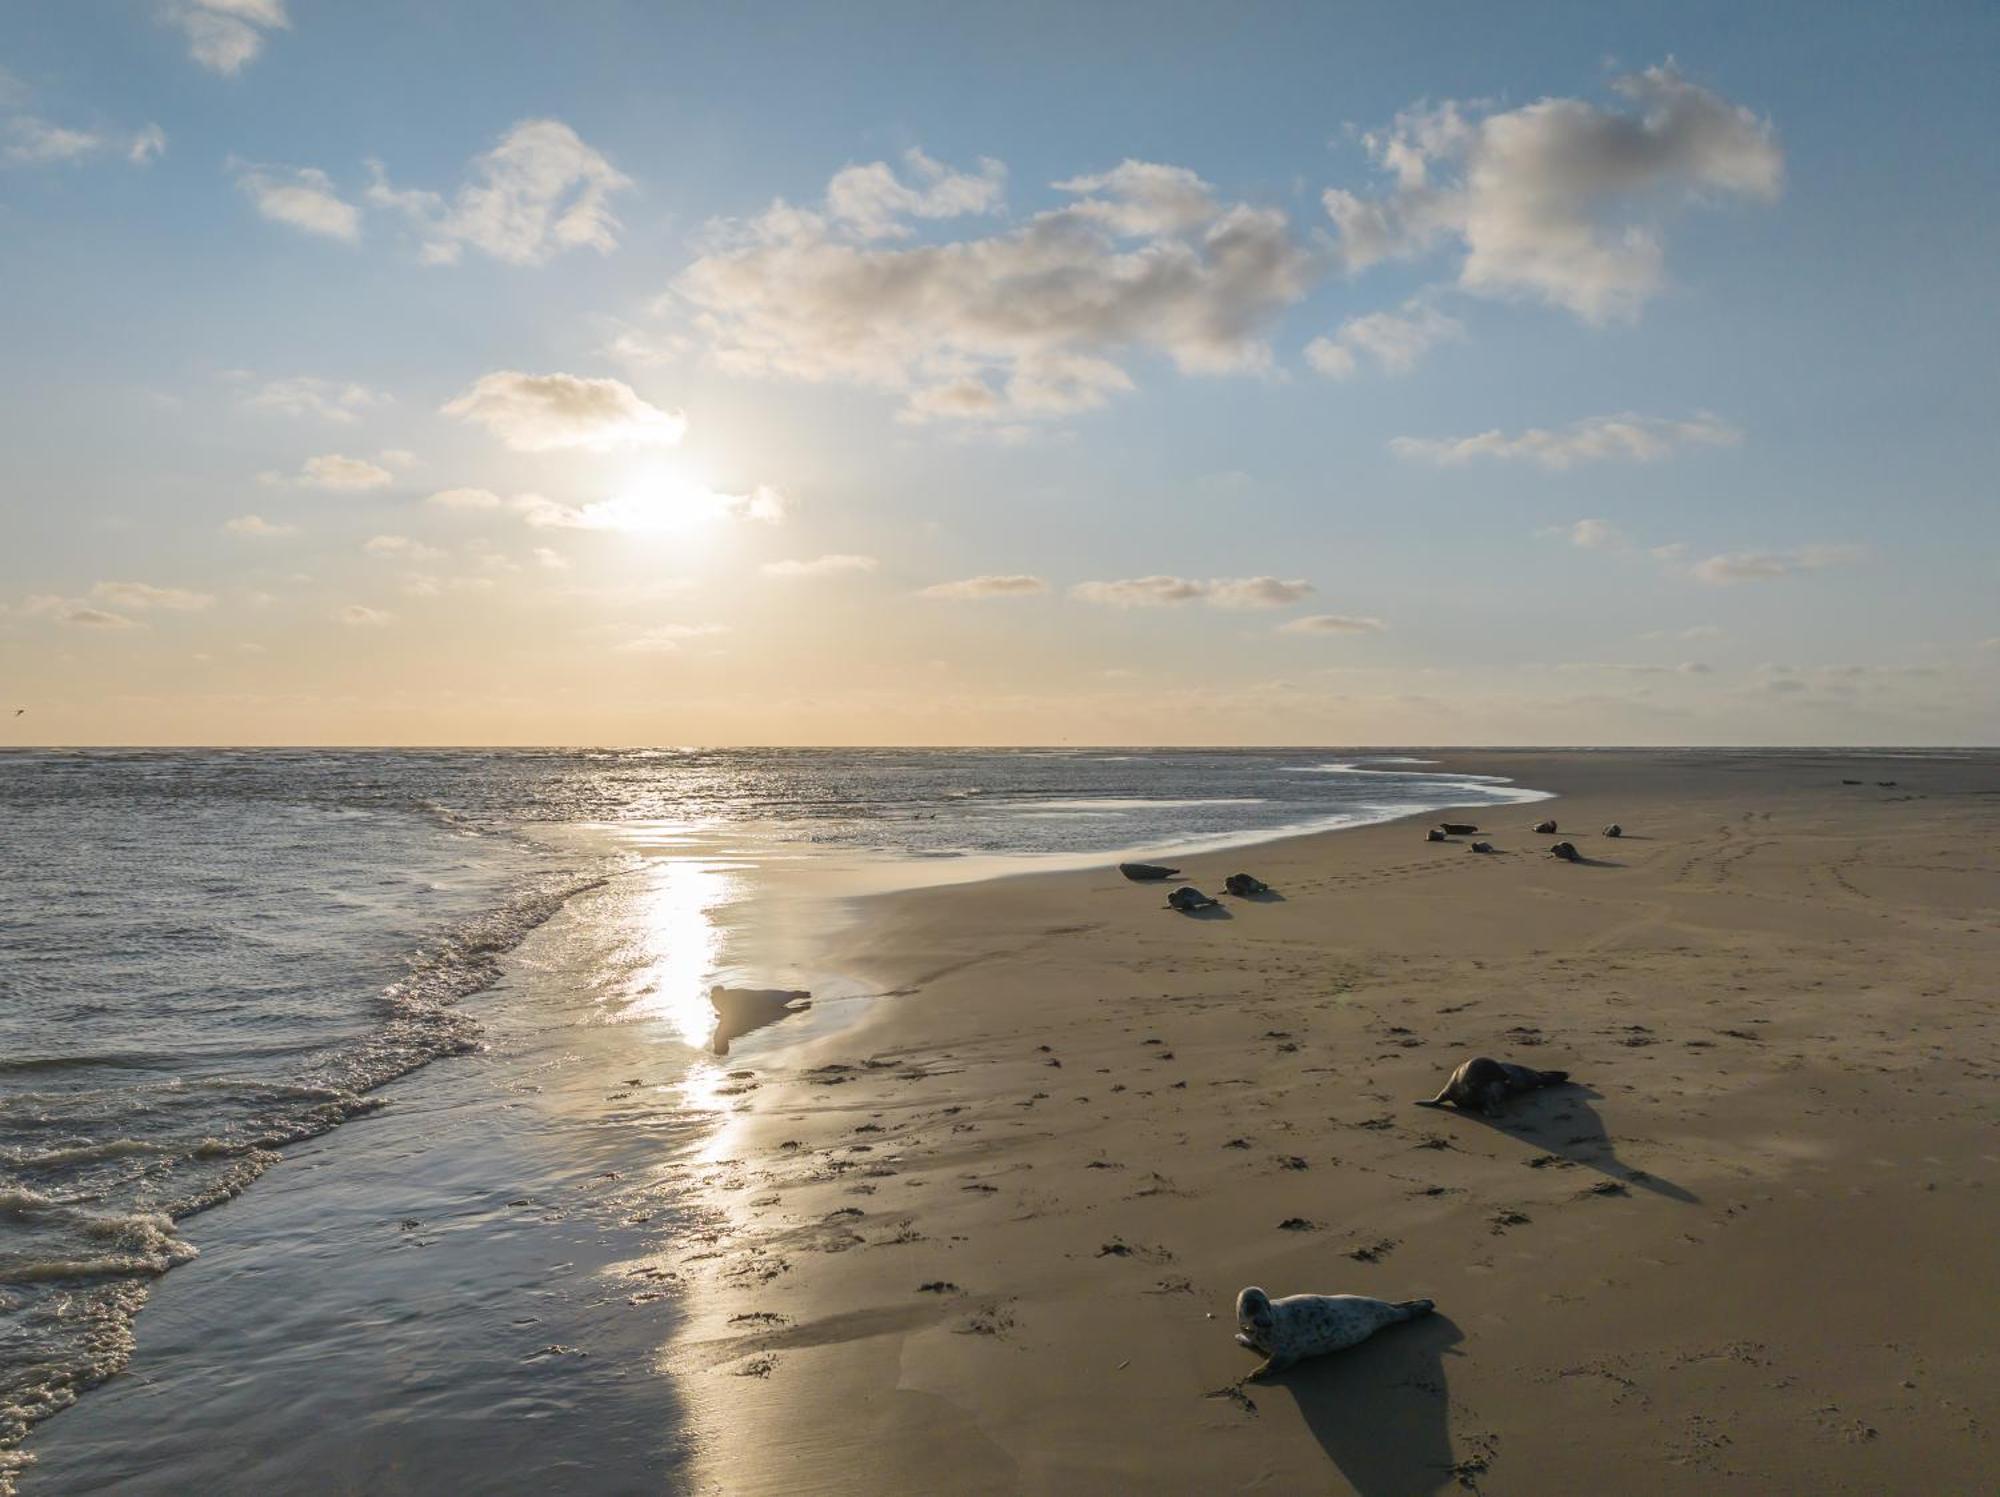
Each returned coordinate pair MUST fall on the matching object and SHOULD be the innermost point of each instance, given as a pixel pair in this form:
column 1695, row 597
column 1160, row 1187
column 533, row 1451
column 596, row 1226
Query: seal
column 1482, row 1084
column 1434, row 835
column 1566, row 851
column 1310, row 1325
column 1614, row 830
column 1547, row 828
column 1482, row 847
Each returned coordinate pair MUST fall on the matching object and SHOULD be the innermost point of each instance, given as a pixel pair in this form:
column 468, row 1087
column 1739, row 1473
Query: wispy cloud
column 138, row 597
column 832, row 565
column 1006, row 585
column 307, row 395
column 361, row 616
column 1394, row 341
column 257, row 525
column 1219, row 592
column 1622, row 438
column 332, row 470
column 1764, row 566
column 1333, row 623
column 668, row 639
column 539, row 192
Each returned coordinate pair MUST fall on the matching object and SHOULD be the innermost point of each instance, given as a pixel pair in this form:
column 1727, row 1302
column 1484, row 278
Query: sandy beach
column 989, row 1239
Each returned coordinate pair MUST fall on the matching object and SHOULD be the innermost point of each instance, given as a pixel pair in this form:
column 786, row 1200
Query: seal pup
column 1434, row 835
column 1545, row 826
column 1482, row 1084
column 1567, row 852
column 1243, row 885
column 1188, row 899
column 1310, row 1325
column 1482, row 847
column 1614, row 830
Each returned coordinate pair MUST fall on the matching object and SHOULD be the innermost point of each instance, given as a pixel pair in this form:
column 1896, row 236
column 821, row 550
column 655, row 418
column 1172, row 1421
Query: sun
column 660, row 498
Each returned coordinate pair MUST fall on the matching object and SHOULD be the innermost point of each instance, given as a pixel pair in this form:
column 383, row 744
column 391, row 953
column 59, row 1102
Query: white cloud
column 1597, row 535
column 1394, row 340
column 34, row 142
column 1763, row 566
column 669, row 509
column 343, row 474
column 539, row 192
column 1333, row 623
column 668, row 638
column 257, row 525
column 1029, row 323
column 549, row 412
column 1221, row 592
column 1008, row 585
column 872, row 201
column 140, row 596
column 147, row 146
column 398, row 457
column 466, row 499
column 359, row 615
column 820, row 566
column 304, row 198
column 1560, row 199
column 223, row 35
column 71, row 611
column 400, row 547
column 1624, row 438
column 307, row 395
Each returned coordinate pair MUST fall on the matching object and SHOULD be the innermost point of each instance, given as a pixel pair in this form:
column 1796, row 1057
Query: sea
column 289, row 1040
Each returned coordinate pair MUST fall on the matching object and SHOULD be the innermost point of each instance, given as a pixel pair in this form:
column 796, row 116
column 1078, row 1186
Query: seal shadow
column 1561, row 1121
column 1381, row 1410
column 1269, row 896
column 1207, row 912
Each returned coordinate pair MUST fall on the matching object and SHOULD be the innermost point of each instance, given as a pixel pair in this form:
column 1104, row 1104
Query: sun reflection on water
column 678, row 935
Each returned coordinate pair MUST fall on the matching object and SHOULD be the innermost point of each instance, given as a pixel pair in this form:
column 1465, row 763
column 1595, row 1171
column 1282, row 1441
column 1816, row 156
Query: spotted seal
column 1310, row 1325
column 1482, row 1084
column 1566, row 851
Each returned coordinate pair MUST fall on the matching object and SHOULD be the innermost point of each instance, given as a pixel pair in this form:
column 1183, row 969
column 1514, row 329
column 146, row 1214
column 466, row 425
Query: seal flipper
column 1412, row 1308
column 1274, row 1364
column 1554, row 1078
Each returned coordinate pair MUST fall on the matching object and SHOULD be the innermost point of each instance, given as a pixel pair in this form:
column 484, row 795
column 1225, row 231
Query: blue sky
column 1650, row 403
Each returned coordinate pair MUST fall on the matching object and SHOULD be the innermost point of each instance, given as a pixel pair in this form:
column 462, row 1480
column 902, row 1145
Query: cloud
column 641, row 512
column 360, row 616
column 223, row 35
column 303, row 197
column 257, row 525
column 1222, row 592
column 550, row 412
column 1763, row 566
column 1333, row 623
column 540, row 192
column 344, row 474
column 400, row 547
column 666, row 639
column 34, row 142
column 306, row 395
column 1026, row 324
column 1394, row 340
column 465, row 499
column 1623, row 438
column 140, row 596
column 74, row 612
column 1559, row 200
column 820, row 566
column 872, row 201
column 1008, row 585
column 1597, row 535
column 1691, row 634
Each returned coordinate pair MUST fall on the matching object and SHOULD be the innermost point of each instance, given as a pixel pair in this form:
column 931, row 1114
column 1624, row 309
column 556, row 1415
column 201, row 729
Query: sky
column 475, row 372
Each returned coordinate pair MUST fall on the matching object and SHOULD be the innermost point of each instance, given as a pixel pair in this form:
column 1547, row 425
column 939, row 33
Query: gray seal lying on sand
column 1309, row 1325
column 1434, row 835
column 1482, row 847
column 1545, row 826
column 1482, row 1084
column 1567, row 852
column 1614, row 830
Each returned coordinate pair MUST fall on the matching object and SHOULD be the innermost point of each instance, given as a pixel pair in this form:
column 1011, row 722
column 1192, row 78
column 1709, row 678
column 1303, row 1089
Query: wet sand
column 989, row 1239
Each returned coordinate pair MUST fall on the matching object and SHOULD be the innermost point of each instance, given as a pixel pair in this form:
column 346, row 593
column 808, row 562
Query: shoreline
column 988, row 1237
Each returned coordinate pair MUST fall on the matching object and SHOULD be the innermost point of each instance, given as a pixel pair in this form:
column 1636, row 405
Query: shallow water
column 211, row 960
